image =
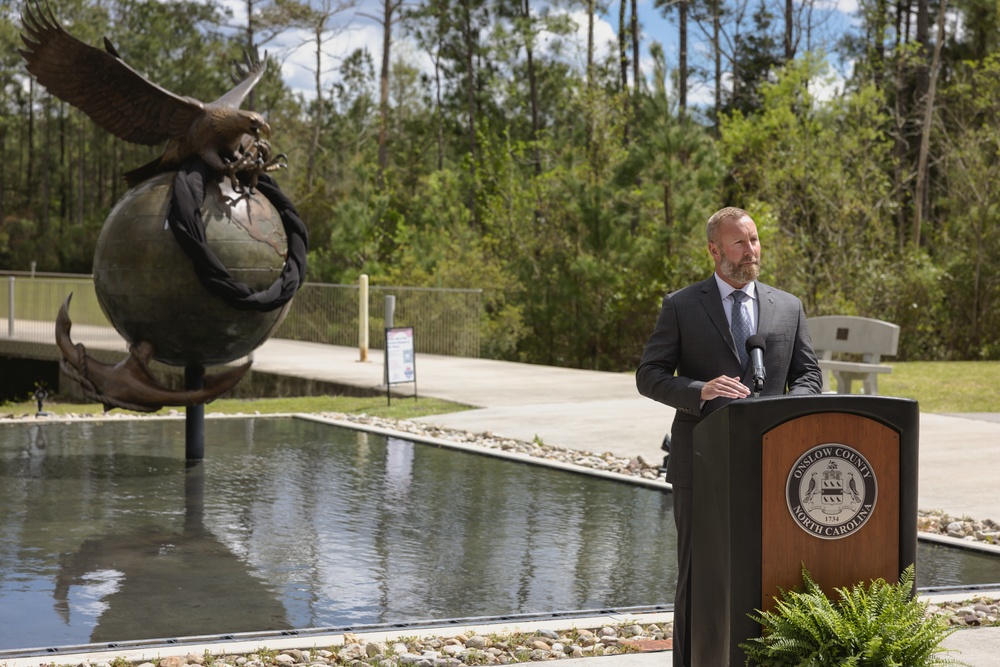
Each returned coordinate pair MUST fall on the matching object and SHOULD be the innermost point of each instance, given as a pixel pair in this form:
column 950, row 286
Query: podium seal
column 831, row 491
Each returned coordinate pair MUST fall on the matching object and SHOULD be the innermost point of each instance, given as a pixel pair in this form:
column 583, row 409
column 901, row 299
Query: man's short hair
column 720, row 216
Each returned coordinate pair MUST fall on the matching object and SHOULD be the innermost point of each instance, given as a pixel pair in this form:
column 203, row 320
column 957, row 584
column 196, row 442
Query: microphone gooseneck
column 756, row 346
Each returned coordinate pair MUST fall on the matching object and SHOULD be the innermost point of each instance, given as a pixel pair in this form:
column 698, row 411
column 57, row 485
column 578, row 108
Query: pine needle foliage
column 879, row 625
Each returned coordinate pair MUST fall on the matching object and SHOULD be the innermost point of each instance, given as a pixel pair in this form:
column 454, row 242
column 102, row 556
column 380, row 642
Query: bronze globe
column 148, row 288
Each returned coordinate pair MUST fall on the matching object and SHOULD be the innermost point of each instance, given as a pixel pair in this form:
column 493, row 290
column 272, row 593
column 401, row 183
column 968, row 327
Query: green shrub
column 879, row 625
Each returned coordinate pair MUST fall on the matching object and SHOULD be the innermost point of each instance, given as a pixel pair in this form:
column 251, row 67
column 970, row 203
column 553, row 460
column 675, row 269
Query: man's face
column 736, row 251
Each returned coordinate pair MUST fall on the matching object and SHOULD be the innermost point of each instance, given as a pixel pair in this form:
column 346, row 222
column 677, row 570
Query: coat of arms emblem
column 831, row 491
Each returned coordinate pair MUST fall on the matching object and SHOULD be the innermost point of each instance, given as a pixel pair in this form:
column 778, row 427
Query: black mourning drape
column 185, row 221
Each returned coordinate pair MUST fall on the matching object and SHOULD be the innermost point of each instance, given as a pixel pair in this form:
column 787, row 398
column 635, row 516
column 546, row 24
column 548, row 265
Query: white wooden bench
column 843, row 334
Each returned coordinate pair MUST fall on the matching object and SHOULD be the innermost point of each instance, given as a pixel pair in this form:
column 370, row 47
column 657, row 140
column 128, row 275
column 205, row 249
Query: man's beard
column 740, row 273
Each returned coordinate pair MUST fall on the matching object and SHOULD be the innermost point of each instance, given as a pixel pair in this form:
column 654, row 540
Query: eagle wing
column 100, row 84
column 251, row 72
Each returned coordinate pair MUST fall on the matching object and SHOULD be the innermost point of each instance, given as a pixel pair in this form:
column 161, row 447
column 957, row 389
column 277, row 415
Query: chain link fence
column 445, row 321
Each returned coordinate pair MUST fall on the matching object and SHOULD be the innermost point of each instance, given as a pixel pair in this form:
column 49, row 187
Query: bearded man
column 695, row 361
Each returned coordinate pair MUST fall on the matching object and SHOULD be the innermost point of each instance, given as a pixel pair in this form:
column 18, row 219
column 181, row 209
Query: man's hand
column 724, row 387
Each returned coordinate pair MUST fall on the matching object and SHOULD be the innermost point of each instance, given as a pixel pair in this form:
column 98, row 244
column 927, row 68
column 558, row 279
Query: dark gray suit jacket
column 692, row 338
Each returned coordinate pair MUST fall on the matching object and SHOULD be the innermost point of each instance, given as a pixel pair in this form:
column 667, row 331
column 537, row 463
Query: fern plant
column 879, row 625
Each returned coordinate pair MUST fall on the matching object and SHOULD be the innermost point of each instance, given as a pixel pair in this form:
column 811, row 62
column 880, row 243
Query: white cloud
column 848, row 7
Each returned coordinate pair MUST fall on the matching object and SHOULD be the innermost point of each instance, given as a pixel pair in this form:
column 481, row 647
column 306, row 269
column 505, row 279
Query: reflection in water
column 106, row 535
column 183, row 582
column 939, row 566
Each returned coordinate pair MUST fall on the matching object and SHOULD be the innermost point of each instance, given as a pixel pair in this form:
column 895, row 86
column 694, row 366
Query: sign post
column 400, row 360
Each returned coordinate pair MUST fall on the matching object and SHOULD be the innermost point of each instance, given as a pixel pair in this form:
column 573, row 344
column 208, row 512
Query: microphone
column 756, row 345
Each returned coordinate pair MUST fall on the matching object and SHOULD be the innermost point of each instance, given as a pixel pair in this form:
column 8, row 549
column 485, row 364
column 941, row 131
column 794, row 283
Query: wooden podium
column 829, row 482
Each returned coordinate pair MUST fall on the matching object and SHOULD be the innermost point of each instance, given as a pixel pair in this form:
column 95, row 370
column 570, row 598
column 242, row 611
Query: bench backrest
column 857, row 335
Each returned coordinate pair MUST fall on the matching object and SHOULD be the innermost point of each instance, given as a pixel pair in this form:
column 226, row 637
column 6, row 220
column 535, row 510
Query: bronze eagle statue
column 133, row 108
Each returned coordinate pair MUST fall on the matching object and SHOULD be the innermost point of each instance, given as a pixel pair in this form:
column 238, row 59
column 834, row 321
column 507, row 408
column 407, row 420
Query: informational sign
column 399, row 356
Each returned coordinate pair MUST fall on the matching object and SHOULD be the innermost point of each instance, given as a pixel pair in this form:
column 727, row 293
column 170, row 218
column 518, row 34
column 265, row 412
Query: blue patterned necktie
column 741, row 327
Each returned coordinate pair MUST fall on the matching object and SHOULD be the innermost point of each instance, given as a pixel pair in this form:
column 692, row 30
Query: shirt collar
column 725, row 289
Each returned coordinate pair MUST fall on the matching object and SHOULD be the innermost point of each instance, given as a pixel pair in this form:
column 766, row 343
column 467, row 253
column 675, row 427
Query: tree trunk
column 668, row 214
column 717, row 47
column 923, row 39
column 470, row 82
column 635, row 48
column 789, row 24
column 925, row 136
column 899, row 149
column 529, row 43
column 46, row 172
column 437, row 108
column 471, row 42
column 318, row 118
column 590, row 43
column 682, row 61
column 623, row 44
column 383, row 103
column 251, row 101
column 64, row 182
column 623, row 65
column 30, row 171
column 588, row 120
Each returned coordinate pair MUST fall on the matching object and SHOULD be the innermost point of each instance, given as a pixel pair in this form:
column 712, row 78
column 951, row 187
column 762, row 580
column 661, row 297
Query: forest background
column 574, row 187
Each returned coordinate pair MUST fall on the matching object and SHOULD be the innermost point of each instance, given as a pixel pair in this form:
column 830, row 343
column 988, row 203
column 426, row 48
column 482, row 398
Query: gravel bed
column 985, row 531
column 638, row 466
column 454, row 650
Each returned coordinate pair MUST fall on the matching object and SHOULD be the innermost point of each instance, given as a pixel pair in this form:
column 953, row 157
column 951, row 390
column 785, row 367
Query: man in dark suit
column 694, row 338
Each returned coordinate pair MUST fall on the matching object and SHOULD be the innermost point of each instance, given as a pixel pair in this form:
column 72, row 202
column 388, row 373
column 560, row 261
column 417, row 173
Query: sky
column 297, row 56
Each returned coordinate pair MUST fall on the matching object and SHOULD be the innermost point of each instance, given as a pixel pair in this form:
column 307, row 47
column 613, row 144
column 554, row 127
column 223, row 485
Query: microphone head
column 756, row 341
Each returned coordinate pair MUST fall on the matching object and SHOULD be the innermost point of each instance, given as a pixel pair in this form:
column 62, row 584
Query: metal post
column 10, row 306
column 390, row 311
column 390, row 322
column 363, row 317
column 194, row 421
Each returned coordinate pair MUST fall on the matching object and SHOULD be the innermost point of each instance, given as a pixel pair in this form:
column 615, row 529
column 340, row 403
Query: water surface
column 106, row 535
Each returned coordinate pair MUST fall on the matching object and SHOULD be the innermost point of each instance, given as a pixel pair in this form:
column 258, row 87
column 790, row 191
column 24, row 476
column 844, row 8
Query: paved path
column 598, row 412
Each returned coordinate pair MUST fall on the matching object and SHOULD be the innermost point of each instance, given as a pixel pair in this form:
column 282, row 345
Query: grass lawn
column 401, row 408
column 945, row 386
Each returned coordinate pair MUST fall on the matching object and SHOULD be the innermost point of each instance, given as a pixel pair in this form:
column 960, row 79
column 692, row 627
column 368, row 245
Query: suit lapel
column 711, row 299
column 765, row 310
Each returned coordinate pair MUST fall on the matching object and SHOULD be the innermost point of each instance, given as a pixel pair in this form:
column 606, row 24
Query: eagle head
column 256, row 125
column 226, row 126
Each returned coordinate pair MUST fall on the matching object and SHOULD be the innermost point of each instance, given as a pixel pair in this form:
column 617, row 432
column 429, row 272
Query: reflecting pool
column 106, row 534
